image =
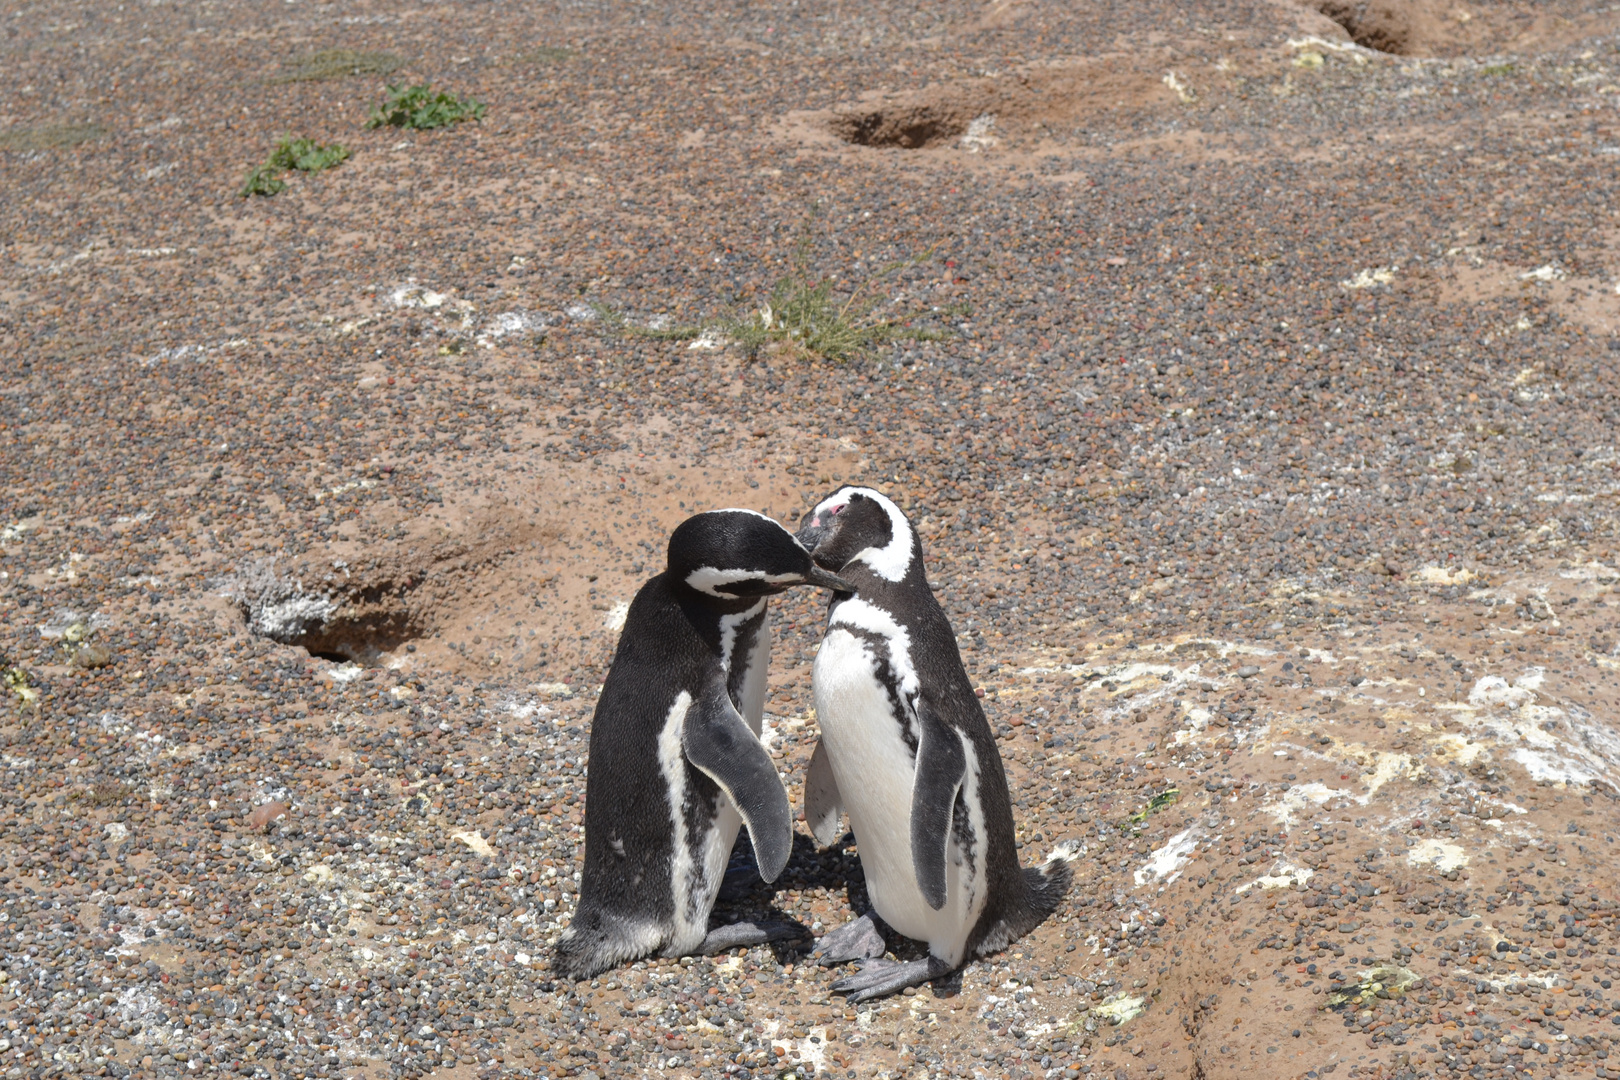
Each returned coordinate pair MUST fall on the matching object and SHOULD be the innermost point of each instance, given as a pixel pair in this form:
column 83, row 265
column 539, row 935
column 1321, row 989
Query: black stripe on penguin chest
column 900, row 707
column 700, row 807
column 745, row 640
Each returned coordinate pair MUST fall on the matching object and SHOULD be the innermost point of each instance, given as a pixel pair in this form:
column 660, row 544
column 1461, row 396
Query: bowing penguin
column 675, row 763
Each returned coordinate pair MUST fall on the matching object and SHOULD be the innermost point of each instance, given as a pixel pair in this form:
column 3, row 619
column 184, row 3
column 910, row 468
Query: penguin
column 906, row 752
column 675, row 765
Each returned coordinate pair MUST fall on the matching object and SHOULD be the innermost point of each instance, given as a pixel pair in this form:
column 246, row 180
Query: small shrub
column 305, row 155
column 1498, row 71
column 338, row 64
column 419, row 108
column 264, row 180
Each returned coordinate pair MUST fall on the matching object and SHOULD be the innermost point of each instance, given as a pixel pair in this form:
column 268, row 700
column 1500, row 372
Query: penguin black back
column 675, row 763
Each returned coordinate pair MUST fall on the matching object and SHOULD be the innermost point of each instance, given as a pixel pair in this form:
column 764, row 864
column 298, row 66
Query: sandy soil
column 1266, row 466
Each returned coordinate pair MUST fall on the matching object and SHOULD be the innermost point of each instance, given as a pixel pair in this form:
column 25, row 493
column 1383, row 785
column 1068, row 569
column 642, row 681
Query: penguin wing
column 822, row 803
column 941, row 767
column 719, row 743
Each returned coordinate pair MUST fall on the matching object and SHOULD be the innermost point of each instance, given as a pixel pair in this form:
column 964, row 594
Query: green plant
column 305, row 155
column 806, row 314
column 419, row 108
column 337, row 64
column 1158, row 802
column 264, row 180
column 1498, row 71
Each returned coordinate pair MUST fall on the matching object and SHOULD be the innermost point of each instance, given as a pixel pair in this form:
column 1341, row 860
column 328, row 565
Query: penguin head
column 737, row 554
column 856, row 524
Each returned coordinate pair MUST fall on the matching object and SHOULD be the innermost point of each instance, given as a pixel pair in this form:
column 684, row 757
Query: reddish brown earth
column 1265, row 461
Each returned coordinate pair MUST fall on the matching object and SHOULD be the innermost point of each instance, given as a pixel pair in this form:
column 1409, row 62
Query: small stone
column 263, row 815
column 1248, row 671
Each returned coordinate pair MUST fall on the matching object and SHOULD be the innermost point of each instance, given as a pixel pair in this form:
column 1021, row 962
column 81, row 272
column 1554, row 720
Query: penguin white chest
column 875, row 771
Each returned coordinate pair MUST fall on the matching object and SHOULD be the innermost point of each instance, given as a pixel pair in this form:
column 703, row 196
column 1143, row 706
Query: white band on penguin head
column 892, row 560
column 708, row 579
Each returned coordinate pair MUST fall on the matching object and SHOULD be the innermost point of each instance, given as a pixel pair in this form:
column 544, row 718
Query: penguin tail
column 596, row 941
column 1045, row 886
column 1048, row 885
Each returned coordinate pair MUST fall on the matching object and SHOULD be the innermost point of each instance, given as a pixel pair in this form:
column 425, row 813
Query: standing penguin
column 675, row 759
column 906, row 751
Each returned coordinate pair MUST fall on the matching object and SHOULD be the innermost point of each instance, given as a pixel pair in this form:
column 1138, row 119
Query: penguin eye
column 835, row 511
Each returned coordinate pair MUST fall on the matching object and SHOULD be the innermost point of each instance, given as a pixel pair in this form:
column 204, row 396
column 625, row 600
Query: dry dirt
column 1265, row 460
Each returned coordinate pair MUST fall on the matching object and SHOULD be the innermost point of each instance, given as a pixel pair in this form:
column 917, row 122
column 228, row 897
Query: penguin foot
column 880, row 978
column 743, row 934
column 858, row 939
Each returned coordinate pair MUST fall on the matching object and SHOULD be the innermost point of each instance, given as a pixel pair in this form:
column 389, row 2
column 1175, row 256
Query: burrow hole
column 913, row 127
column 1373, row 24
column 367, row 642
column 362, row 622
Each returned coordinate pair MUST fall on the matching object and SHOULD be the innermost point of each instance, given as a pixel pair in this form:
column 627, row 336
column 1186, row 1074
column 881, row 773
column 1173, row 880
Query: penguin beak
column 818, row 576
column 811, row 534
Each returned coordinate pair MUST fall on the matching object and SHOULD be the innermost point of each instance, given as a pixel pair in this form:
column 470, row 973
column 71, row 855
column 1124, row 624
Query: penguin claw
column 736, row 935
column 858, row 939
column 880, row 978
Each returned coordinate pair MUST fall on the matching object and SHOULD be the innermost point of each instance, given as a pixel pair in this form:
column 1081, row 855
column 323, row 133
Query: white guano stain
column 1369, row 278
column 1165, row 864
column 1283, row 876
column 1439, row 854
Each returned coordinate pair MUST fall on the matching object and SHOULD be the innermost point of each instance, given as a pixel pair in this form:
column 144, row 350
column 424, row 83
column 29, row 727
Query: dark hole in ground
column 1384, row 25
column 911, row 127
column 364, row 639
column 363, row 621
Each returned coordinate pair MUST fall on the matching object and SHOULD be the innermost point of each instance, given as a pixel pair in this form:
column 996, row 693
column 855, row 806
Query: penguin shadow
column 745, row 896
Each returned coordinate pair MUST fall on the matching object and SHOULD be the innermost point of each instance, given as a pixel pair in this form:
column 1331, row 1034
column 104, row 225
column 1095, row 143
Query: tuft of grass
column 338, row 64
column 304, row 155
column 1498, row 71
column 419, row 108
column 49, row 136
column 807, row 315
column 544, row 54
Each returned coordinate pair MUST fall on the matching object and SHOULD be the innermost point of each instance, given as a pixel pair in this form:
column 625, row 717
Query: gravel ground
column 1265, row 459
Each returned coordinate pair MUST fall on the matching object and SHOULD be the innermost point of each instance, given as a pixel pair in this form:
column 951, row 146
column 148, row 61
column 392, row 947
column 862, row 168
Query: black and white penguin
column 675, row 763
column 907, row 753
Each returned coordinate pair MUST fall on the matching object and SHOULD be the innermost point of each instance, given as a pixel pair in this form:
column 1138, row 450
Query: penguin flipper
column 940, row 770
column 822, row 804
column 719, row 743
